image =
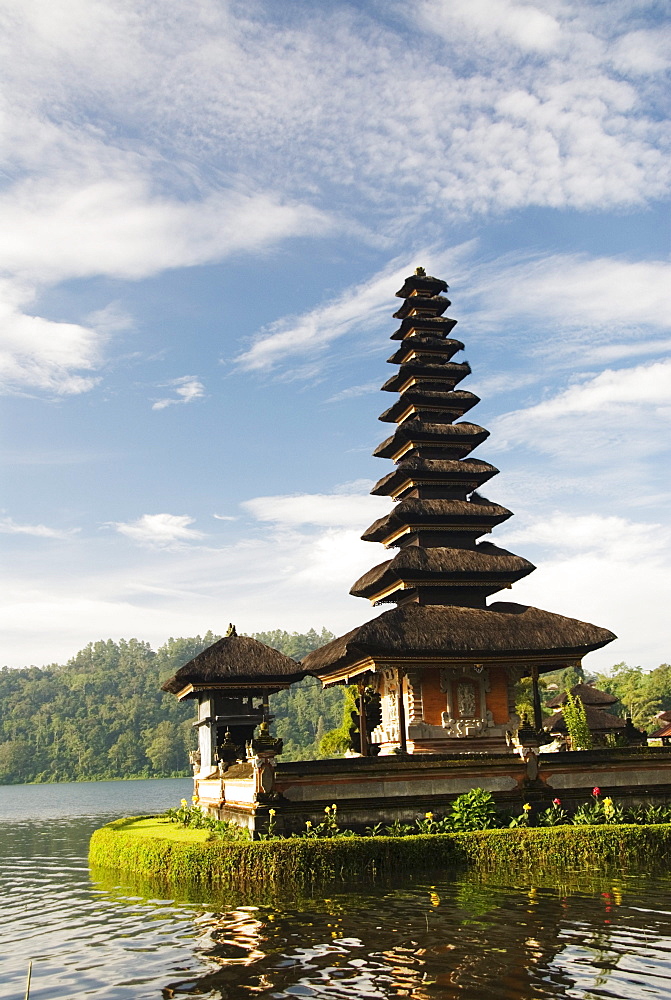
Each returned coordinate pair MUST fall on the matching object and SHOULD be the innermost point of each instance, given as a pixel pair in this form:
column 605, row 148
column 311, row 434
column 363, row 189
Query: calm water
column 448, row 935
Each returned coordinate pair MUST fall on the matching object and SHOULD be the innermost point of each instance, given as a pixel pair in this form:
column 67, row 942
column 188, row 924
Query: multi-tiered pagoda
column 444, row 661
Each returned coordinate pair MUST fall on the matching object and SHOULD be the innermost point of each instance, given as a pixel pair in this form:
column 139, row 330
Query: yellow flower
column 184, row 803
column 428, row 815
column 271, row 812
column 608, row 801
column 195, row 800
column 308, row 823
column 526, row 807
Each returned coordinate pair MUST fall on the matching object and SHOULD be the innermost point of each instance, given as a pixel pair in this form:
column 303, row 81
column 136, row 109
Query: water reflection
column 463, row 936
column 451, row 934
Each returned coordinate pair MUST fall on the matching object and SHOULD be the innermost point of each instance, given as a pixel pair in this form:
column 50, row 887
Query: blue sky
column 207, row 207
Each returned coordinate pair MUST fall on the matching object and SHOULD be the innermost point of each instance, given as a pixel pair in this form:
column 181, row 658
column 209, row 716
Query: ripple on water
column 456, row 936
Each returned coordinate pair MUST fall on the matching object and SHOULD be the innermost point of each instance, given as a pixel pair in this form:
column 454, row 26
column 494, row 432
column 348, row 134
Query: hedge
column 122, row 846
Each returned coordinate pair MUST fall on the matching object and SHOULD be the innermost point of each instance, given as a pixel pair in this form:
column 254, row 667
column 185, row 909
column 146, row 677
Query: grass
column 156, row 826
column 152, row 847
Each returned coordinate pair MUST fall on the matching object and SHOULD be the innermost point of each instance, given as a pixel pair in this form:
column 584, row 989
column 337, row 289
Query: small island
column 434, row 681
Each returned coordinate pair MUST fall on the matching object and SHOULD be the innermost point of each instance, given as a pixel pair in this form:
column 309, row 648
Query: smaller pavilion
column 600, row 721
column 231, row 682
column 664, row 733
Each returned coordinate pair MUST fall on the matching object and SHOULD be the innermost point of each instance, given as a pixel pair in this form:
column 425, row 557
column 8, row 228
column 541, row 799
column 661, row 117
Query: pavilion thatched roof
column 461, row 437
column 460, row 513
column 450, row 402
column 441, row 325
column 588, row 696
column 236, row 659
column 598, row 721
column 502, row 629
column 451, row 372
column 445, row 566
column 433, row 304
column 464, row 471
column 426, row 344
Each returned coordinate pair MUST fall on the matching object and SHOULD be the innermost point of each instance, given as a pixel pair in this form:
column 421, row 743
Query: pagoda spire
column 440, row 517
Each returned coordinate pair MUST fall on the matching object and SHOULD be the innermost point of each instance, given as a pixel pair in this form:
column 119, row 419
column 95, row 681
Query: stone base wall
column 369, row 790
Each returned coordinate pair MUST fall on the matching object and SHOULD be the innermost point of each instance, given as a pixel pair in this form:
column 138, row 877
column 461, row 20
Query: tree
column 576, row 723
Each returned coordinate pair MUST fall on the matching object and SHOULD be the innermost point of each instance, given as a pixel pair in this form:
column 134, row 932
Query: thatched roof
column 444, row 567
column 426, row 344
column 236, row 658
column 455, row 402
column 598, row 721
column 460, row 438
column 461, row 514
column 421, row 283
column 465, row 472
column 588, row 696
column 440, row 325
column 449, row 371
column 503, row 629
column 435, row 305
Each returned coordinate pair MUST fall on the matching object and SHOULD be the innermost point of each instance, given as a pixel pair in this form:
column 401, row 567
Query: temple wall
column 497, row 696
column 433, row 699
column 368, row 790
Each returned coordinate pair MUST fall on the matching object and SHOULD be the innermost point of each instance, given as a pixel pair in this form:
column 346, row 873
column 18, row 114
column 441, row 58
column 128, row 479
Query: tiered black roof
column 439, row 519
column 441, row 575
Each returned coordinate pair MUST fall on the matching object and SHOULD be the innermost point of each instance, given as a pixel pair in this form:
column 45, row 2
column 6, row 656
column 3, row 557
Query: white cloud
column 602, row 535
column 361, row 308
column 119, row 227
column 8, row 526
column 526, row 108
column 354, row 390
column 339, row 510
column 159, row 530
column 588, row 569
column 616, row 413
column 643, row 52
column 525, row 25
column 40, row 354
column 610, row 571
column 187, row 389
column 576, row 291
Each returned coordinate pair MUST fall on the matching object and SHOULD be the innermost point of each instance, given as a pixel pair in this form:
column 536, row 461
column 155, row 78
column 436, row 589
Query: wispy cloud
column 187, row 389
column 159, row 530
column 8, row 526
column 334, row 510
column 353, row 391
column 627, row 409
column 360, row 308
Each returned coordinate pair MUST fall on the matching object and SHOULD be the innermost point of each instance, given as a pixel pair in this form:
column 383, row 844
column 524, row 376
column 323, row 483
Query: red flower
column 556, row 802
column 596, row 792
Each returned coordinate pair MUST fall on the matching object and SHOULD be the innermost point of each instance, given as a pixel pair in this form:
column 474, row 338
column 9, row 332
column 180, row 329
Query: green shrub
column 475, row 810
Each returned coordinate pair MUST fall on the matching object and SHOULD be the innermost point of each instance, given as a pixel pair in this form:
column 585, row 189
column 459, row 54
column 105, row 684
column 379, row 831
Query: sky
column 207, row 207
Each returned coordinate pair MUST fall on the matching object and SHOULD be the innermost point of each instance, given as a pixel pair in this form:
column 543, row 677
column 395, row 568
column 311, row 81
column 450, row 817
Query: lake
column 433, row 936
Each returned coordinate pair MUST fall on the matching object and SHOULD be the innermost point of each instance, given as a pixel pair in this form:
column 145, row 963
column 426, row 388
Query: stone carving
column 466, row 700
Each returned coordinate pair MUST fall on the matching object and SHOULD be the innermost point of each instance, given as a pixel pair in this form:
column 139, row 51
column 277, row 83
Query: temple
column 436, row 673
column 443, row 660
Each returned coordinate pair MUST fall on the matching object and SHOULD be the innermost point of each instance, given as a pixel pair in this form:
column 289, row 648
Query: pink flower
column 556, row 802
column 596, row 792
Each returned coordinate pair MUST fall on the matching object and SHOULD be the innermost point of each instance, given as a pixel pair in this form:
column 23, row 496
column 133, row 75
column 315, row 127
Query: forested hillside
column 103, row 715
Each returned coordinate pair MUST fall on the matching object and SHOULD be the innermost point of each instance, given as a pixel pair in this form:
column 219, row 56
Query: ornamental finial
column 420, row 272
column 230, row 630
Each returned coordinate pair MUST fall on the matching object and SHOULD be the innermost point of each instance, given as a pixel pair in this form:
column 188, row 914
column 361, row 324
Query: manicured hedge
column 122, row 846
